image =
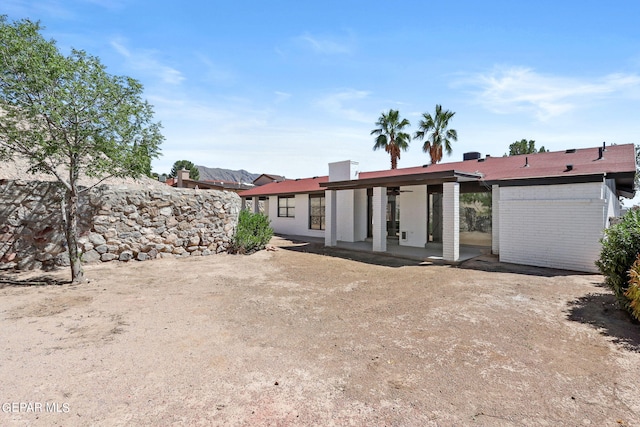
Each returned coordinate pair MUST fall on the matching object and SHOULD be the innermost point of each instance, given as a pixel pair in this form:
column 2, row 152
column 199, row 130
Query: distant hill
column 218, row 174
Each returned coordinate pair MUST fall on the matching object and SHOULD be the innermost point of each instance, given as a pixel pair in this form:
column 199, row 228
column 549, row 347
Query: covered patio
column 450, row 184
column 431, row 254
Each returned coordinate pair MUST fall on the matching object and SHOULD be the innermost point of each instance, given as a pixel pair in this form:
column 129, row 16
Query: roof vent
column 425, row 166
column 481, row 160
column 600, row 153
column 526, row 162
column 604, row 146
column 472, row 155
column 570, row 150
column 569, row 168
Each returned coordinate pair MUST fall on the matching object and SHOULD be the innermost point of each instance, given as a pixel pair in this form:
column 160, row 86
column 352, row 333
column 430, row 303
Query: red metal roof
column 289, row 186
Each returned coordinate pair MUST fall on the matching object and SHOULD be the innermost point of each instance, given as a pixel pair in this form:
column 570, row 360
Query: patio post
column 451, row 221
column 495, row 220
column 256, row 204
column 331, row 226
column 379, row 207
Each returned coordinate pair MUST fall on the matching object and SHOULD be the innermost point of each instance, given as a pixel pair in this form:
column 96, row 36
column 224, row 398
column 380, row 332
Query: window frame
column 322, row 217
column 289, row 208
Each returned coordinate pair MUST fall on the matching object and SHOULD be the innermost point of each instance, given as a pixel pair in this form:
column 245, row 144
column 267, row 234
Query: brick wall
column 555, row 226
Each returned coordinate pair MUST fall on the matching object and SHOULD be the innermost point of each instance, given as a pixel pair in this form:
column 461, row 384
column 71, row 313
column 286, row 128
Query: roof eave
column 403, row 180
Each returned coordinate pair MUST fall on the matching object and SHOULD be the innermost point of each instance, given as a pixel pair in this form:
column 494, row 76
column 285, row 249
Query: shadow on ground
column 487, row 263
column 491, row 264
column 603, row 313
column 8, row 281
column 365, row 257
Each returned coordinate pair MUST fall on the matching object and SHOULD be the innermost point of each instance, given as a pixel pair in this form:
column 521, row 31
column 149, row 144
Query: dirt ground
column 306, row 336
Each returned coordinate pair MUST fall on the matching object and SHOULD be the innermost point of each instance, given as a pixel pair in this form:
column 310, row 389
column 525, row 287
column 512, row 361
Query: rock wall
column 116, row 223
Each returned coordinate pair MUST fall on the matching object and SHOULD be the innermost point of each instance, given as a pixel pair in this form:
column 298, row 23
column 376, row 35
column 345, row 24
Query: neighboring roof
column 229, row 185
column 270, row 176
column 203, row 185
column 289, row 186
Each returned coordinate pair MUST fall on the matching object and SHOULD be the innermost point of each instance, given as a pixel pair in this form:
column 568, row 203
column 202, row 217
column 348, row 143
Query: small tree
column 252, row 233
column 69, row 118
column 194, row 173
column 525, row 147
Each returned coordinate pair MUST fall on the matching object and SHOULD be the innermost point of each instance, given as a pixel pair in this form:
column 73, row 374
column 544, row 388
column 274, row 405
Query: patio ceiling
column 432, row 178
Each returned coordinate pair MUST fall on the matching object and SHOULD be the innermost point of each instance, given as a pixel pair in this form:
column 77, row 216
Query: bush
column 633, row 292
column 252, row 233
column 620, row 249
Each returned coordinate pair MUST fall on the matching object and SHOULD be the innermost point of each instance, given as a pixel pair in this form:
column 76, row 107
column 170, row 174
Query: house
column 544, row 209
column 267, row 178
column 182, row 180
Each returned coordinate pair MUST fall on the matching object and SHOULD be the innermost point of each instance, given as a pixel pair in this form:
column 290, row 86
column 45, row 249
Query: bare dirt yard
column 307, row 336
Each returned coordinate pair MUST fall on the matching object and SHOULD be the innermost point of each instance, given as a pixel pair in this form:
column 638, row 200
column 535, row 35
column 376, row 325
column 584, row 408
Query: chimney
column 343, row 171
column 182, row 175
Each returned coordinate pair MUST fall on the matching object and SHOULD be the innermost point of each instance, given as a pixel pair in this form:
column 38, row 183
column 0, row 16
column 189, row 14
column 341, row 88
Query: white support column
column 330, row 218
column 379, row 206
column 495, row 219
column 256, row 204
column 451, row 221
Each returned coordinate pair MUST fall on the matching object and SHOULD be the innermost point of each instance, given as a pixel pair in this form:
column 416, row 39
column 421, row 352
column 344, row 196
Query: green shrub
column 633, row 292
column 620, row 248
column 252, row 233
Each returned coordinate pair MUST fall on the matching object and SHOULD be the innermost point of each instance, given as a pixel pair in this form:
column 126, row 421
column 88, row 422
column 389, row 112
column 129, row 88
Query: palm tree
column 434, row 128
column 390, row 135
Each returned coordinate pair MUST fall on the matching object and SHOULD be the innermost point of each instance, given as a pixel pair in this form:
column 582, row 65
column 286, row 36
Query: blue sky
column 285, row 87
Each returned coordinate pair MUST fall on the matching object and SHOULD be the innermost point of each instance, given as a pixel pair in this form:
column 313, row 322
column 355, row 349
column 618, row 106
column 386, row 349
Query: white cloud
column 334, row 103
column 146, row 61
column 505, row 90
column 281, row 96
column 213, row 71
column 326, row 46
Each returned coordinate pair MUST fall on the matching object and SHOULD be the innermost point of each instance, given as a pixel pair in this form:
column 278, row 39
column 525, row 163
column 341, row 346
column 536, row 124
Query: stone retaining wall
column 116, row 223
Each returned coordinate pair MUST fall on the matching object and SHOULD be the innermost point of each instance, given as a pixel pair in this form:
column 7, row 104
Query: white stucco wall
column 345, row 215
column 360, row 199
column 556, row 226
column 413, row 215
column 299, row 225
column 351, row 216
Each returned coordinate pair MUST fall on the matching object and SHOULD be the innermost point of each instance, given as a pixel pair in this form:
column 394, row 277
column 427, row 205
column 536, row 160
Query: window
column 287, row 207
column 316, row 211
